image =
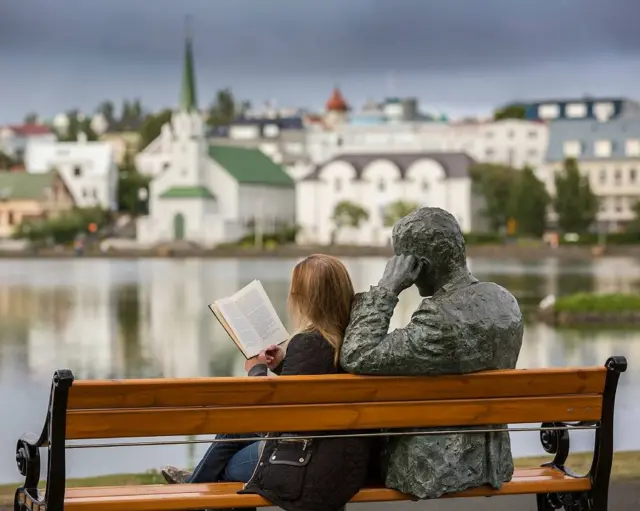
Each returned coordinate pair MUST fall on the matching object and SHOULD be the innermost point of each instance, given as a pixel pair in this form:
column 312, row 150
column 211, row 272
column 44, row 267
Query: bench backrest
column 167, row 407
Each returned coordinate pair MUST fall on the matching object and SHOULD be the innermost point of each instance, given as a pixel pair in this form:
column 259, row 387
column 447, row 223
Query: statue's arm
column 428, row 345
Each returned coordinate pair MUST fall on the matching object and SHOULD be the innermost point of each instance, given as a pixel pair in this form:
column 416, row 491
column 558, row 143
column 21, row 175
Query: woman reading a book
column 321, row 474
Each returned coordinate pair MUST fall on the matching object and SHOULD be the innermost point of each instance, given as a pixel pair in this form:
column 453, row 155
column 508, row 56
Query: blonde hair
column 320, row 298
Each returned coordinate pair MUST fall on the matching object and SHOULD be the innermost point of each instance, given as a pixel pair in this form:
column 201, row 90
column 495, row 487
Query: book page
column 255, row 306
column 250, row 319
column 243, row 330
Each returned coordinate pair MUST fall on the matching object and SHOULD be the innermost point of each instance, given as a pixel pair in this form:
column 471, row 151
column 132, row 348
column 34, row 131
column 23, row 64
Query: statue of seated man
column 461, row 326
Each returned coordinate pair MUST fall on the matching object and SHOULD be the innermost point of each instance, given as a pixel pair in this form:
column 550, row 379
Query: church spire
column 188, row 100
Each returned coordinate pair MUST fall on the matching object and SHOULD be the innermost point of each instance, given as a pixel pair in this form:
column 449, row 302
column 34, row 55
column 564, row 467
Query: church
column 206, row 194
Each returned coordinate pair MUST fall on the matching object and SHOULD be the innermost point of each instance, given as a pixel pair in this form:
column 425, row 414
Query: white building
column 373, row 181
column 87, row 168
column 510, row 142
column 208, row 194
column 609, row 154
column 14, row 139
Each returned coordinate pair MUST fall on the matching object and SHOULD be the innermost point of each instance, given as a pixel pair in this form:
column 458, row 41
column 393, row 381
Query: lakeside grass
column 598, row 303
column 626, row 466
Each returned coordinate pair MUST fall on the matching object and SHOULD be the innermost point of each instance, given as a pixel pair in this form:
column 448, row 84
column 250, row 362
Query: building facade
column 607, row 152
column 87, row 168
column 30, row 196
column 600, row 109
column 14, row 139
column 376, row 180
column 208, row 194
column 512, row 142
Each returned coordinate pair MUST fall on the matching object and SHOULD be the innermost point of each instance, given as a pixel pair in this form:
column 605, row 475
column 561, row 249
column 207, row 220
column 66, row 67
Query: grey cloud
column 328, row 36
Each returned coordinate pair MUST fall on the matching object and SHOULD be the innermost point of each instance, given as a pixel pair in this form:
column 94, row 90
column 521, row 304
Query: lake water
column 115, row 318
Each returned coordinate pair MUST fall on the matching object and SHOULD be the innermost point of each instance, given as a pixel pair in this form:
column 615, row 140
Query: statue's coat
column 466, row 326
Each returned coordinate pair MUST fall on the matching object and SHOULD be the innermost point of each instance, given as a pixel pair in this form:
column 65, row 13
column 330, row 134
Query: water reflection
column 149, row 318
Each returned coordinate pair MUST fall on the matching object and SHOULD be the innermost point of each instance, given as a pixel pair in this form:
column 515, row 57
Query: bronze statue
column 461, row 326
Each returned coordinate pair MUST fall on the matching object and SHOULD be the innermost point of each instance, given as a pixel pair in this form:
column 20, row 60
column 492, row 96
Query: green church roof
column 187, row 192
column 188, row 99
column 250, row 166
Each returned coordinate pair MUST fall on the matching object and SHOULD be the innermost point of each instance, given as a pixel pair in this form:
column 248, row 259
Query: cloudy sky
column 457, row 56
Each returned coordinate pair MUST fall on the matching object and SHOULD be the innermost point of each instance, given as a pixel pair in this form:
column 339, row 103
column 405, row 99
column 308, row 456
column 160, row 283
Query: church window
column 337, row 186
column 425, row 185
column 77, row 171
column 381, row 185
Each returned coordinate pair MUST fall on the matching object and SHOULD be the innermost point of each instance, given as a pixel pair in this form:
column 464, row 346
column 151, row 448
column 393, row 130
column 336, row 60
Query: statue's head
column 432, row 235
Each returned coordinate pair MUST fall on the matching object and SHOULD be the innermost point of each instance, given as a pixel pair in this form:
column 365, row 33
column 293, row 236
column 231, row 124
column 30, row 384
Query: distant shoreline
column 497, row 252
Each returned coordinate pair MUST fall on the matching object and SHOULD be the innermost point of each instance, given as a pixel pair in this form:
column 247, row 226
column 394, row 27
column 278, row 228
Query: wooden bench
column 560, row 399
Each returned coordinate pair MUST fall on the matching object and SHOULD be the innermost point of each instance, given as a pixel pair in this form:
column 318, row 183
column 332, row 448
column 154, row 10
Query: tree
column 6, row 162
column 396, row 210
column 494, row 183
column 575, row 203
column 223, row 109
column 77, row 124
column 31, row 118
column 108, row 110
column 130, row 182
column 347, row 214
column 510, row 112
column 152, row 126
column 529, row 202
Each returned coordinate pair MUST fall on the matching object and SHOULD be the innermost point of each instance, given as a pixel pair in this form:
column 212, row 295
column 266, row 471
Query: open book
column 250, row 319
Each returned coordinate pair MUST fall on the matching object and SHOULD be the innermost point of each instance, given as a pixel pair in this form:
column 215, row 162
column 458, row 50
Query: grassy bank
column 626, row 465
column 588, row 302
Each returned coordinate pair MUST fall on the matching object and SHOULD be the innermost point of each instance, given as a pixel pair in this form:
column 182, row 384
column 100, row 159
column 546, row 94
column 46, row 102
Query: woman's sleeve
column 305, row 355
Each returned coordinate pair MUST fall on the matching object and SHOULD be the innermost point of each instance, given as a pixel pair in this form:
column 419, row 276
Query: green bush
column 64, row 228
column 587, row 302
column 283, row 235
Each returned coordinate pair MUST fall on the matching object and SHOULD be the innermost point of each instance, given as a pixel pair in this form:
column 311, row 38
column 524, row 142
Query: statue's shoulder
column 497, row 294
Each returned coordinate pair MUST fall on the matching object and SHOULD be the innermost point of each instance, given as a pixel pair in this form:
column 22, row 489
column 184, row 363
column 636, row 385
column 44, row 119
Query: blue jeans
column 228, row 460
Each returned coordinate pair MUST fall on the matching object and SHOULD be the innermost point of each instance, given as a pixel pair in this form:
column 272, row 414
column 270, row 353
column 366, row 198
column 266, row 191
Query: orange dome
column 336, row 102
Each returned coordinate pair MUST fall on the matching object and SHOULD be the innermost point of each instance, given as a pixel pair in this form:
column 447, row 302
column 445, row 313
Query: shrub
column 587, row 302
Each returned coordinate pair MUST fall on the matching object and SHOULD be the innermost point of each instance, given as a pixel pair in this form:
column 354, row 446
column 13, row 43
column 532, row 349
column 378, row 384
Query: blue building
column 609, row 154
column 601, row 109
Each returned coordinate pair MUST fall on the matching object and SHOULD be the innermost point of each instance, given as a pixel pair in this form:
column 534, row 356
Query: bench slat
column 97, row 394
column 223, row 495
column 129, row 423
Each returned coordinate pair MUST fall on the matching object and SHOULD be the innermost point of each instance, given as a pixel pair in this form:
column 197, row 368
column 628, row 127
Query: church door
column 178, row 226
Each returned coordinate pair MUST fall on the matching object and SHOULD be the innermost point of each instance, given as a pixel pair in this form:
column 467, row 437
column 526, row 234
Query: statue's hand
column 400, row 273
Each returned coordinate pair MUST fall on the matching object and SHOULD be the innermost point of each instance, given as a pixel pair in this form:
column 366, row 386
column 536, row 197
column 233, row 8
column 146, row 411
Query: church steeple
column 188, row 99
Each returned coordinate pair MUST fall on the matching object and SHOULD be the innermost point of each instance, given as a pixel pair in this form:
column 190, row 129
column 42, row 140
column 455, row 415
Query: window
column 603, row 111
column 84, row 193
column 77, row 171
column 532, row 153
column 549, row 111
column 572, row 148
column 489, row 152
column 603, row 176
column 510, row 134
column 633, row 147
column 425, row 185
column 381, row 185
column 618, row 204
column 602, row 148
column 632, row 175
column 576, row 110
column 533, row 134
column 10, row 218
column 617, row 177
column 489, row 134
column 337, row 185
column 95, row 193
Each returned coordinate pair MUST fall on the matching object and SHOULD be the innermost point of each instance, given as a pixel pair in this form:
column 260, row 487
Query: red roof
column 337, row 102
column 29, row 130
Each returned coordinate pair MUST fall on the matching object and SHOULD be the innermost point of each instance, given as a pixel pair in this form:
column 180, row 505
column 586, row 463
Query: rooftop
column 250, row 166
column 20, row 185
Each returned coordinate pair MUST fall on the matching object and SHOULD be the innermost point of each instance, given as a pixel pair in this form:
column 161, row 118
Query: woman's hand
column 274, row 355
column 271, row 357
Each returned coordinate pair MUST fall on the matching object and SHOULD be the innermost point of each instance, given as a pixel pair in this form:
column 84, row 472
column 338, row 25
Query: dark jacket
column 323, row 474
